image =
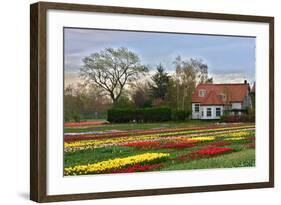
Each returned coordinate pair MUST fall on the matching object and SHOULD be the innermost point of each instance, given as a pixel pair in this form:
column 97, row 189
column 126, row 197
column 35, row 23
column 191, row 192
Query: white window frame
column 209, row 109
column 195, row 105
column 202, row 93
column 217, row 111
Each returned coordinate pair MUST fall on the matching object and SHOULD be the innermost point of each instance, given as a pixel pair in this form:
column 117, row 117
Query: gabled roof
column 213, row 99
column 232, row 93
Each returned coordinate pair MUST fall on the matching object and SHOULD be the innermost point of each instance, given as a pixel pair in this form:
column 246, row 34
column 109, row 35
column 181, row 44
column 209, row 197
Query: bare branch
column 111, row 69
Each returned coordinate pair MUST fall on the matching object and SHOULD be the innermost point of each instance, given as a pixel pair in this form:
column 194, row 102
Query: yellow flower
column 86, row 144
column 235, row 138
column 209, row 138
column 236, row 134
column 113, row 163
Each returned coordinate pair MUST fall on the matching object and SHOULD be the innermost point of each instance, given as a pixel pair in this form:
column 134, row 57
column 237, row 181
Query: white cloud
column 231, row 78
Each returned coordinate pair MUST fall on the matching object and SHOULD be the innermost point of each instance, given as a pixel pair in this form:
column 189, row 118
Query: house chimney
column 245, row 81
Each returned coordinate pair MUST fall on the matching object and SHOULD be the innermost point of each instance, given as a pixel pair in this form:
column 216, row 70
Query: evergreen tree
column 160, row 85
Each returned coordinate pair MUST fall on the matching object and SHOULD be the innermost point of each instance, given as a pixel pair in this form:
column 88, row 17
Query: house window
column 196, row 107
column 222, row 96
column 202, row 93
column 218, row 111
column 209, row 112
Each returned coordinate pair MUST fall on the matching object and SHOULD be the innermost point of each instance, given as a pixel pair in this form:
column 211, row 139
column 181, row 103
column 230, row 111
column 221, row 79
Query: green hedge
column 237, row 118
column 179, row 115
column 119, row 115
column 139, row 115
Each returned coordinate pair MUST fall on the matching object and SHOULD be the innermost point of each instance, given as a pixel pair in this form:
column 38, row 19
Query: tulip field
column 100, row 149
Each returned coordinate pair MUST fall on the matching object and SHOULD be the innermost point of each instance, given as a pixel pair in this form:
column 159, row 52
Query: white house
column 210, row 101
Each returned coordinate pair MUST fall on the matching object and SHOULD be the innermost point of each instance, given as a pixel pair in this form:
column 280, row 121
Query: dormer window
column 202, row 93
column 222, row 96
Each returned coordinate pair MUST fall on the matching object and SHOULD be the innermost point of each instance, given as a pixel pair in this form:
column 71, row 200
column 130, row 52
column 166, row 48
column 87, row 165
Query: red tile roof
column 213, row 99
column 232, row 93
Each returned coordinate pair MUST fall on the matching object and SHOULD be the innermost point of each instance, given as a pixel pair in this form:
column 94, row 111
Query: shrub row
column 139, row 115
column 180, row 115
column 237, row 118
column 75, row 117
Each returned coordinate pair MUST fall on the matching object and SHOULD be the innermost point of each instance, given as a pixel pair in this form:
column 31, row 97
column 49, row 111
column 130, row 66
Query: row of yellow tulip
column 235, row 138
column 113, row 164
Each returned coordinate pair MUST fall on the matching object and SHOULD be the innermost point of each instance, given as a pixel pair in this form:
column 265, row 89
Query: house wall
column 236, row 105
column 195, row 115
column 247, row 102
column 213, row 110
column 202, row 114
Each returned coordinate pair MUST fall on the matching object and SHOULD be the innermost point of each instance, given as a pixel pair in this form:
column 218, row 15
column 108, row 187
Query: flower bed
column 235, row 134
column 219, row 143
column 157, row 145
column 202, row 153
column 235, row 138
column 111, row 151
column 81, row 124
column 213, row 151
column 114, row 141
column 113, row 164
column 141, row 144
column 177, row 146
column 202, row 139
column 138, row 168
column 162, row 132
column 182, row 157
column 90, row 144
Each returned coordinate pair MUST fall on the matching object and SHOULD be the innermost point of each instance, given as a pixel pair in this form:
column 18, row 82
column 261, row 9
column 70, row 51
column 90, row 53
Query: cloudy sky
column 230, row 59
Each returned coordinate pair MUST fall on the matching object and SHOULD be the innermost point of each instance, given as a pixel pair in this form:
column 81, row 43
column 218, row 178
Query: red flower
column 213, row 151
column 138, row 168
column 220, row 143
column 204, row 152
column 141, row 144
column 177, row 145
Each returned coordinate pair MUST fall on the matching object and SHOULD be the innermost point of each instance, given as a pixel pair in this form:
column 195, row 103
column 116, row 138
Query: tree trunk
column 114, row 101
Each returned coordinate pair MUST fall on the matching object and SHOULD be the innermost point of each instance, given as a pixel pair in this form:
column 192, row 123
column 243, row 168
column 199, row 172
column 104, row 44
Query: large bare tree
column 111, row 69
column 189, row 73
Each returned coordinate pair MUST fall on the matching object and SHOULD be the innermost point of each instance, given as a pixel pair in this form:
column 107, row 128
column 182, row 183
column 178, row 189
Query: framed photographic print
column 135, row 102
